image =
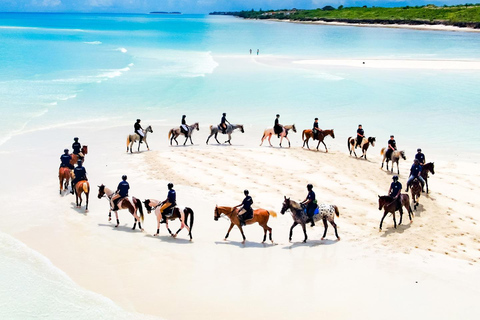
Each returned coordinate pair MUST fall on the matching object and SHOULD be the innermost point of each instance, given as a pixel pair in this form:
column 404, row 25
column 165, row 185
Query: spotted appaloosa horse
column 175, row 132
column 214, row 130
column 395, row 158
column 322, row 134
column 259, row 215
column 270, row 132
column 134, row 137
column 351, row 143
column 152, row 204
column 122, row 203
column 64, row 178
column 388, row 204
column 326, row 213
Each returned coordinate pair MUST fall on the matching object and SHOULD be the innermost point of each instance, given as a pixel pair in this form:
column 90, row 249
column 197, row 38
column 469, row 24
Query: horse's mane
column 295, row 204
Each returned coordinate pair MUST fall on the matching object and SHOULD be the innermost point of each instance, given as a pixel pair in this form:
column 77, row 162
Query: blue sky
column 192, row 6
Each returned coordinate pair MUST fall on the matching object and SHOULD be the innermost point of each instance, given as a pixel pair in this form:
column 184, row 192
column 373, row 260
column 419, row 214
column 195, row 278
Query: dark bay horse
column 395, row 158
column 134, row 137
column 152, row 204
column 214, row 130
column 326, row 213
column 270, row 132
column 429, row 167
column 175, row 132
column 124, row 203
column 82, row 187
column 351, row 143
column 390, row 206
column 259, row 215
column 416, row 191
column 308, row 133
column 64, row 178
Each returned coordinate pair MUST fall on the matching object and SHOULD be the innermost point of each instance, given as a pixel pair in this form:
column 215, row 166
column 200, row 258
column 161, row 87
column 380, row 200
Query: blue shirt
column 172, row 196
column 396, row 187
column 80, row 173
column 123, row 188
column 76, row 146
column 420, row 157
column 65, row 159
column 247, row 203
column 415, row 170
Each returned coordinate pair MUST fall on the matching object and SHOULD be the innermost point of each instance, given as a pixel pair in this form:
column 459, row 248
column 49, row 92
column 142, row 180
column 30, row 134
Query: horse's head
column 147, row 205
column 197, row 126
column 402, row 154
column 286, row 205
column 293, row 128
column 372, row 141
column 149, row 129
column 381, row 202
column 333, row 134
column 216, row 214
column 431, row 167
column 101, row 191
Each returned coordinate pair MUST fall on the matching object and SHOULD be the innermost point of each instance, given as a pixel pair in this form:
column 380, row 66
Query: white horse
column 230, row 128
column 132, row 138
column 270, row 132
column 175, row 132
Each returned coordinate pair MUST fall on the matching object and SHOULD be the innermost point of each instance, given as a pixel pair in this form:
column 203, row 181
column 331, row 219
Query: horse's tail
column 128, row 141
column 86, row 187
column 211, row 126
column 138, row 204
column 170, row 133
column 336, row 210
column 348, row 143
column 191, row 217
column 272, row 213
column 303, row 134
column 382, row 151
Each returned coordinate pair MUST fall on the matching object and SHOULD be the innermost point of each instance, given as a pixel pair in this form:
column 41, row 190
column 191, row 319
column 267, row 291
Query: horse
column 75, row 157
column 64, row 174
column 351, row 143
column 82, row 187
column 429, row 167
column 122, row 203
column 132, row 138
column 259, row 215
column 416, row 191
column 308, row 133
column 325, row 212
column 175, row 132
column 395, row 158
column 270, row 132
column 152, row 204
column 230, row 128
column 390, row 206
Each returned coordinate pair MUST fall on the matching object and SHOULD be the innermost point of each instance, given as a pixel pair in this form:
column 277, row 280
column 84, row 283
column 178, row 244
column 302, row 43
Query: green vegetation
column 467, row 15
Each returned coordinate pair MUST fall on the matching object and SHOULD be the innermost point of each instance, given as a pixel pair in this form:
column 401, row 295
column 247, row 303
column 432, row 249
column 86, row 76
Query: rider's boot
column 164, row 219
column 71, row 191
column 313, row 222
column 141, row 138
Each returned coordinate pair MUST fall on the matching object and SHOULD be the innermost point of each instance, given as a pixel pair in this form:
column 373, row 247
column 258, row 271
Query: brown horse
column 151, row 204
column 75, row 157
column 390, row 206
column 259, row 215
column 122, row 203
column 82, row 187
column 395, row 158
column 307, row 134
column 429, row 167
column 284, row 134
column 416, row 191
column 64, row 178
column 364, row 146
column 175, row 132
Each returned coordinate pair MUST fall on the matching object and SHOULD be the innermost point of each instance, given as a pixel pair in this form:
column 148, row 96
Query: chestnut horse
column 122, row 203
column 259, row 215
column 429, row 167
column 270, row 132
column 325, row 212
column 151, row 204
column 308, row 133
column 416, row 191
column 390, row 206
column 75, row 157
column 351, row 143
column 82, row 187
column 175, row 132
column 64, row 178
column 395, row 158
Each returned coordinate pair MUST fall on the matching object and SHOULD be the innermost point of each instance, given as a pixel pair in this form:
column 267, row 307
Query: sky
column 195, row 6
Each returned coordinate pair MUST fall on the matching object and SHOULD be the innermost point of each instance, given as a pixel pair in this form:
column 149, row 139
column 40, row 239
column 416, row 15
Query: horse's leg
column 243, row 235
column 394, row 220
column 229, row 229
column 116, row 216
column 401, row 216
column 326, row 150
column 191, row 140
column 229, row 138
column 304, row 232
column 270, row 233
column 288, row 141
column 86, row 201
column 426, row 183
column 168, row 228
column 158, row 223
column 208, row 139
column 216, row 133
column 308, row 138
column 269, row 139
column 334, row 225
column 281, row 139
column 291, row 230
column 398, row 169
column 381, row 221
column 145, row 140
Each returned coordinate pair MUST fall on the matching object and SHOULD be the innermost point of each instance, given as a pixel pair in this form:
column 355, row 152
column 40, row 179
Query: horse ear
column 378, row 196
column 284, row 197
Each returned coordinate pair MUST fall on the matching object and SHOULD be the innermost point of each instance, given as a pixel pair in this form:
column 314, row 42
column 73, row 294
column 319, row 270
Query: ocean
column 68, row 69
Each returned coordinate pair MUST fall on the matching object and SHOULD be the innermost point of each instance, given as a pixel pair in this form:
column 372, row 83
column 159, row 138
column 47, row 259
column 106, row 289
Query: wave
column 44, row 29
column 93, row 42
column 123, row 50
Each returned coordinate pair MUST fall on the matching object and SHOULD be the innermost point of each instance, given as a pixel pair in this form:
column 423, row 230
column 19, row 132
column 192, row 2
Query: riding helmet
column 124, row 177
column 415, row 160
column 76, row 139
column 316, row 118
column 184, row 116
column 245, row 192
column 65, row 150
column 392, row 136
column 224, row 114
column 170, row 185
column 79, row 161
column 278, row 115
column 309, row 186
column 138, row 120
column 419, row 150
column 395, row 177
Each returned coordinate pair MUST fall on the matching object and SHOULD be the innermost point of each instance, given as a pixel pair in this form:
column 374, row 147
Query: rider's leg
column 112, row 201
column 162, row 210
column 409, row 181
column 140, row 133
column 422, row 181
column 241, row 217
column 74, row 182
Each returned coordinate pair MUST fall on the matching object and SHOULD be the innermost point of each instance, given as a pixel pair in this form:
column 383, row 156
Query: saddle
column 182, row 130
column 220, row 129
column 116, row 202
column 169, row 211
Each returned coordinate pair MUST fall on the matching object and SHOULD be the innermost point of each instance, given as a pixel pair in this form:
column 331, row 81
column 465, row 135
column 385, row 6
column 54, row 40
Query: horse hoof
column 338, row 239
column 109, row 219
column 323, row 239
column 225, row 239
column 156, row 234
column 116, row 226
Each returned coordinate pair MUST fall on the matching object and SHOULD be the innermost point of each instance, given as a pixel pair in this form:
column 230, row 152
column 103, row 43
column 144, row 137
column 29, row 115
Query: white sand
column 427, row 269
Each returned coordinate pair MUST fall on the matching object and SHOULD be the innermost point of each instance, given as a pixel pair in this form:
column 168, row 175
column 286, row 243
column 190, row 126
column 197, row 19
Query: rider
column 183, row 126
column 311, row 204
column 168, row 203
column 394, row 191
column 316, row 130
column 122, row 192
column 137, row 128
column 246, row 212
column 80, row 174
column 223, row 123
column 420, row 157
column 277, row 127
column 415, row 172
column 77, row 147
column 65, row 159
column 360, row 136
column 392, row 146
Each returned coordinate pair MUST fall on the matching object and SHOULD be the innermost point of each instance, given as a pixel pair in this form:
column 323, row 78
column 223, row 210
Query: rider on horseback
column 415, row 172
column 122, row 192
column 311, row 204
column 420, row 157
column 277, row 127
column 65, row 159
column 316, row 130
column 360, row 136
column 246, row 212
column 168, row 203
column 394, row 191
column 183, row 126
column 137, row 128
column 77, row 147
column 392, row 146
column 223, row 123
column 80, row 174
